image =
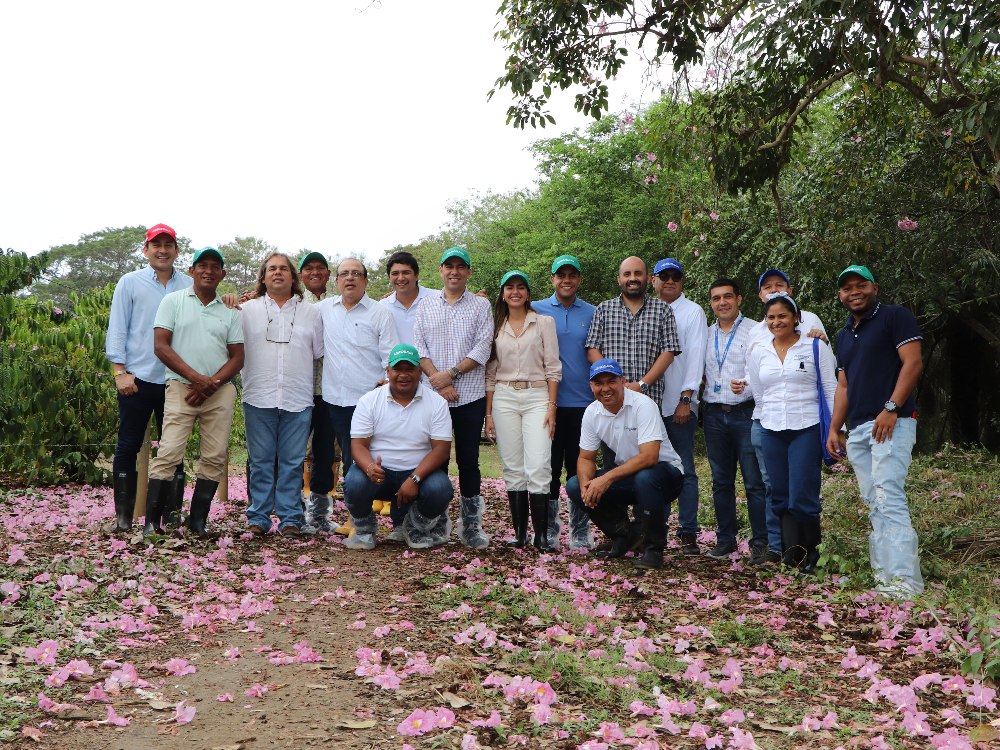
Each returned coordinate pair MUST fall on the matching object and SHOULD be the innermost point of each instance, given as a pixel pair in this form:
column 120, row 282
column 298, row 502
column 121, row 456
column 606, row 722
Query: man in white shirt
column 647, row 472
column 401, row 441
column 283, row 336
column 407, row 294
column 680, row 391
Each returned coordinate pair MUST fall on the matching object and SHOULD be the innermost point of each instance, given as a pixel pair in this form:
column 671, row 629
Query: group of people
column 609, row 394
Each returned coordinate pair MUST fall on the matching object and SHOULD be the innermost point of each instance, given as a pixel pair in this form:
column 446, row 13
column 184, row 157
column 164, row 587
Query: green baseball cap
column 208, row 251
column 515, row 274
column 313, row 256
column 861, row 271
column 566, row 260
column 456, row 252
column 404, row 353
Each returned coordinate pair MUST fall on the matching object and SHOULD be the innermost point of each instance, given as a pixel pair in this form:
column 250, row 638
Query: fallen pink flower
column 417, row 723
column 224, row 698
column 256, row 691
column 44, row 653
column 179, row 667
column 183, row 713
column 116, row 720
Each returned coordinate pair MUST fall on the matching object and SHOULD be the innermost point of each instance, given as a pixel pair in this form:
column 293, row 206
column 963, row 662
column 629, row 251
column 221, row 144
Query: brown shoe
column 292, row 531
column 256, row 530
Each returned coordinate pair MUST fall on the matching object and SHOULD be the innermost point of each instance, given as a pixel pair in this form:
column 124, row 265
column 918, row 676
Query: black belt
column 727, row 408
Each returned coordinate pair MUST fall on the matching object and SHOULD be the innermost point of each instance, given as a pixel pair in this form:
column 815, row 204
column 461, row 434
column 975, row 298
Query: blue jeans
column 276, row 433
column 682, row 438
column 467, row 423
column 340, row 425
column 321, row 479
column 652, row 488
column 793, row 459
column 881, row 470
column 728, row 443
column 770, row 517
column 432, row 498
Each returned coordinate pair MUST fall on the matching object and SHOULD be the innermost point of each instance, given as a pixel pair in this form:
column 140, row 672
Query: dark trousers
column 340, row 424
column 321, row 480
column 133, row 417
column 566, row 444
column 650, row 489
column 729, row 444
column 432, row 500
column 467, row 423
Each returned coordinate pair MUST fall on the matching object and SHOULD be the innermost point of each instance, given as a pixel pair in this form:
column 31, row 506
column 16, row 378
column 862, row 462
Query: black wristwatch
column 890, row 406
column 686, row 400
column 643, row 388
column 416, row 479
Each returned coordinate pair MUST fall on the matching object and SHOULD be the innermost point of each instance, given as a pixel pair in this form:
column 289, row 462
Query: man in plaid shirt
column 636, row 330
column 453, row 334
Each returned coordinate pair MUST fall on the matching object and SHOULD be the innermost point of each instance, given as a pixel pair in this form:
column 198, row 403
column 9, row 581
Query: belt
column 727, row 408
column 520, row 385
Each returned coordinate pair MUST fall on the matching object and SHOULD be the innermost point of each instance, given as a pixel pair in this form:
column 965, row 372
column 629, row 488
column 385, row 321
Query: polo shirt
column 405, row 316
column 572, row 325
column 201, row 333
column 356, row 346
column 401, row 435
column 637, row 422
column 867, row 353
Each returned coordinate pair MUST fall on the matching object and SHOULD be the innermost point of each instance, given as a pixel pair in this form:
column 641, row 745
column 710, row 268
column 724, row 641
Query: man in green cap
column 200, row 341
column 454, row 335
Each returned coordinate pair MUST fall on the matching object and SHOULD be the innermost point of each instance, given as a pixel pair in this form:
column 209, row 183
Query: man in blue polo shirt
column 879, row 362
column 572, row 316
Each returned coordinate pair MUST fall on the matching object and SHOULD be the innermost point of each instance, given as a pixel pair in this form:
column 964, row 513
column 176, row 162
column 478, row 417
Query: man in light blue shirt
column 572, row 316
column 139, row 375
column 404, row 277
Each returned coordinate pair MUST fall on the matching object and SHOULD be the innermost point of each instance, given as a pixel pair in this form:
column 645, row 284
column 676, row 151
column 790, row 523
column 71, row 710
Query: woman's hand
column 490, row 429
column 550, row 420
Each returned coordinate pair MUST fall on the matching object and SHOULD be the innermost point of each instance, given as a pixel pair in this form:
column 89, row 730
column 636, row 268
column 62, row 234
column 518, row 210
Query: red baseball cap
column 157, row 230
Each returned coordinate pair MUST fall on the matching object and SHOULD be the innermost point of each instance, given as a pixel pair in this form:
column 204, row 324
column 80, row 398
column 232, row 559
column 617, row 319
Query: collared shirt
column 786, row 391
column 761, row 335
column 130, row 328
column 447, row 333
column 356, row 346
column 869, row 356
column 572, row 325
column 405, row 316
column 312, row 299
column 688, row 368
column 201, row 333
column 635, row 341
column 637, row 422
column 730, row 349
column 280, row 375
column 401, row 435
column 534, row 355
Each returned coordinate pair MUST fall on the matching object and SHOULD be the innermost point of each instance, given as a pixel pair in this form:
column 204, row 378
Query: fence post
column 142, row 481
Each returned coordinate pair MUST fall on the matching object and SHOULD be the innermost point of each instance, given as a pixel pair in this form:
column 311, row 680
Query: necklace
column 517, row 328
column 782, row 349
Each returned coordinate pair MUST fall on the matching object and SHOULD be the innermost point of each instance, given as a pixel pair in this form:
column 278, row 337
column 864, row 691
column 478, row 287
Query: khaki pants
column 216, row 419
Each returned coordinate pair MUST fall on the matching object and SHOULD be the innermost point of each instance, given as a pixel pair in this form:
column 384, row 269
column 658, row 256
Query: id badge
column 717, row 388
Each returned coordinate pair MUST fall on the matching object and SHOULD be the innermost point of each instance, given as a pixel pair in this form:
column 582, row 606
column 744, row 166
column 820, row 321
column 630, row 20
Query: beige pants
column 215, row 417
column 522, row 441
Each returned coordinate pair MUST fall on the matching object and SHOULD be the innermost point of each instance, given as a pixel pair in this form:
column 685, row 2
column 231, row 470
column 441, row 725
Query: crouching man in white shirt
column 400, row 443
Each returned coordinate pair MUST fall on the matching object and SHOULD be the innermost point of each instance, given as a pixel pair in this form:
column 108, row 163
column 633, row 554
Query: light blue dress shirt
column 572, row 325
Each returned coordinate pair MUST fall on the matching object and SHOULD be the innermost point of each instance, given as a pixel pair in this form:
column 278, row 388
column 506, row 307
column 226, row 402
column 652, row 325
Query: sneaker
column 758, row 555
column 360, row 541
column 721, row 551
column 689, row 545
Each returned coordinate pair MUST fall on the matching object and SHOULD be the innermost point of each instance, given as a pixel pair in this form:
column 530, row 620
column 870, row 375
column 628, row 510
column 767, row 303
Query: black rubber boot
column 812, row 536
column 201, row 502
column 654, row 531
column 174, row 500
column 616, row 527
column 518, row 500
column 154, row 507
column 540, row 521
column 793, row 553
column 125, row 487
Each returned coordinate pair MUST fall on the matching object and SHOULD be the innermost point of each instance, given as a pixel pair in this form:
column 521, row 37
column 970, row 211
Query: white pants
column 523, row 443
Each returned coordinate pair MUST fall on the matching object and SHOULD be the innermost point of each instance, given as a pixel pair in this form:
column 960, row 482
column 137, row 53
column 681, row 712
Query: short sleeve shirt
column 401, row 435
column 637, row 422
column 201, row 333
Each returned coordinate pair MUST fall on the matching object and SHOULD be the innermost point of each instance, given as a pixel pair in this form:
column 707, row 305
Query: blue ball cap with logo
column 602, row 366
column 668, row 264
column 772, row 272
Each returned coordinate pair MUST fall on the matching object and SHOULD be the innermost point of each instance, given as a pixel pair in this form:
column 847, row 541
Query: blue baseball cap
column 773, row 272
column 668, row 264
column 602, row 366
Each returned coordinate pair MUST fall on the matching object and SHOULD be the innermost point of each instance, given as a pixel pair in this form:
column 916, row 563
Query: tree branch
column 802, row 106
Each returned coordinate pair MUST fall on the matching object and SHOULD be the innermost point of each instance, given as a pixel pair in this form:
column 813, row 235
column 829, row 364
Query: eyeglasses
column 276, row 332
column 671, row 276
column 354, row 274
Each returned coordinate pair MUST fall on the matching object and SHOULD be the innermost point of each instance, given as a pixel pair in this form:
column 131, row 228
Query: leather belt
column 520, row 385
column 727, row 408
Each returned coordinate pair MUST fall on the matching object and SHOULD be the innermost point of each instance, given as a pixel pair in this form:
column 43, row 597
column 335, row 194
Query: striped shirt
column 729, row 349
column 635, row 341
column 446, row 333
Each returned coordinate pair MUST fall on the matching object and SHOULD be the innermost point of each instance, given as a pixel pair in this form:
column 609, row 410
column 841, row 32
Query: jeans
column 650, row 489
column 215, row 417
column 793, row 459
column 728, row 443
column 522, row 439
column 565, row 452
column 275, row 433
column 133, row 418
column 434, row 494
column 340, row 424
column 682, row 439
column 321, row 479
column 881, row 470
column 771, row 518
column 467, row 423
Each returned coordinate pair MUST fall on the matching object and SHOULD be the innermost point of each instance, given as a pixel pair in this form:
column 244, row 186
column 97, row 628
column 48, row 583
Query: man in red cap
column 139, row 375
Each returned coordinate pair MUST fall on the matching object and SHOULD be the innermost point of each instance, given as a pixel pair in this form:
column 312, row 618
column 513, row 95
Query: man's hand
column 205, row 385
column 375, row 471
column 448, row 393
column 835, row 444
column 633, row 386
column 125, row 384
column 194, row 398
column 440, row 379
column 816, row 333
column 737, row 385
column 682, row 414
column 594, row 490
column 407, row 492
column 885, row 423
column 380, row 383
column 232, row 301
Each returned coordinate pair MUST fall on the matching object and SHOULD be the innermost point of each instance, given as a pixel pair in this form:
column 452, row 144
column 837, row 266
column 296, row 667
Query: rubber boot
column 812, row 536
column 616, row 527
column 201, row 503
column 539, row 505
column 793, row 552
column 154, row 507
column 173, row 500
column 125, row 487
column 654, row 531
column 518, row 500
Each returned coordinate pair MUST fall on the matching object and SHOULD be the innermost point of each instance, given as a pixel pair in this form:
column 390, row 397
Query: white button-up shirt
column 786, row 391
column 726, row 360
column 356, row 345
column 688, row 368
column 280, row 375
column 405, row 316
column 760, row 334
column 637, row 422
column 401, row 435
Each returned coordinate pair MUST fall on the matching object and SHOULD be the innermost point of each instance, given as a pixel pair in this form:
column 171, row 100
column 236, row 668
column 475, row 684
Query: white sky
column 329, row 125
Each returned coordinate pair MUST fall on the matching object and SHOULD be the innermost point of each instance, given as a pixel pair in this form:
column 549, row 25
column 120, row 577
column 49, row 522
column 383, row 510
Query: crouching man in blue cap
column 400, row 443
column 647, row 472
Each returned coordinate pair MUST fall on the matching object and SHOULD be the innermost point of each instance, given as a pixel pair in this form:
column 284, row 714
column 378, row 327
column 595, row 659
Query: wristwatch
column 686, row 400
column 416, row 479
column 455, row 373
column 120, row 372
column 890, row 406
column 643, row 387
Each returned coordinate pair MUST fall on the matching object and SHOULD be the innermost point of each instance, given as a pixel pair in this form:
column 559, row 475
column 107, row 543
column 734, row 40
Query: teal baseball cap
column 456, row 252
column 404, row 353
column 861, row 271
column 515, row 274
column 313, row 256
column 566, row 260
column 208, row 251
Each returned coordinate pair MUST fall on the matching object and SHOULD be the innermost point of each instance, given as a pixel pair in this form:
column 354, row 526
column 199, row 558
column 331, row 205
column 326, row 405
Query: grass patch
column 746, row 634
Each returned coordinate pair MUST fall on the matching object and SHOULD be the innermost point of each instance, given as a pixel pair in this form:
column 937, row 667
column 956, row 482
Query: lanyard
column 729, row 343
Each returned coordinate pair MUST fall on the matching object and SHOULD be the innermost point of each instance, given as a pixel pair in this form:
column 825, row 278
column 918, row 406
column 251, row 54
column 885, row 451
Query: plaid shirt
column 448, row 333
column 635, row 341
